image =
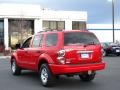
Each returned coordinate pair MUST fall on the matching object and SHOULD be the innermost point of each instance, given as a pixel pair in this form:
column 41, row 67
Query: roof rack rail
column 56, row 30
column 41, row 31
column 51, row 30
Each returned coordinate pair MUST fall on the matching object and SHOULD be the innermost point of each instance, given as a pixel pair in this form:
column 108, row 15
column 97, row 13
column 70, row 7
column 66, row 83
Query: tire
column 14, row 68
column 118, row 54
column 87, row 77
column 57, row 77
column 104, row 53
column 46, row 77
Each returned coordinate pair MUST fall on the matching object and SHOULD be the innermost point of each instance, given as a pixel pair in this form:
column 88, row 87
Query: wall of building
column 106, row 35
column 38, row 14
column 104, row 32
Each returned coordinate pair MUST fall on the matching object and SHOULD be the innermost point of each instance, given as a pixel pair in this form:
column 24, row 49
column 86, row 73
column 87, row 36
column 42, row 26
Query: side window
column 37, row 41
column 26, row 43
column 51, row 39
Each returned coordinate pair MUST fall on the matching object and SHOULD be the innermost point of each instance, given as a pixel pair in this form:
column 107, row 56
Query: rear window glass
column 80, row 38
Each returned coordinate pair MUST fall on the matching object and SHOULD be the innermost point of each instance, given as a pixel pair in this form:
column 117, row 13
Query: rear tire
column 46, row 77
column 118, row 54
column 87, row 77
column 104, row 53
column 16, row 70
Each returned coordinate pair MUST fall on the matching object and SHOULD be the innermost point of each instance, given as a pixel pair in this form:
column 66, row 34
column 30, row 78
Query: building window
column 1, row 31
column 53, row 25
column 1, row 35
column 77, row 25
column 19, row 30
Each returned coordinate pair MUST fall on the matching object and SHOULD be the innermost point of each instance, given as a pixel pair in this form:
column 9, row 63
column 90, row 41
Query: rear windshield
column 75, row 38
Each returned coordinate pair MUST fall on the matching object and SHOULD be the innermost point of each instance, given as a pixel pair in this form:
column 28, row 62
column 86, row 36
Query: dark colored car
column 110, row 48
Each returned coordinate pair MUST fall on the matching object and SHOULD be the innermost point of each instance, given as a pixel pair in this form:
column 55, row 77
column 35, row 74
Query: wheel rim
column 13, row 67
column 44, row 75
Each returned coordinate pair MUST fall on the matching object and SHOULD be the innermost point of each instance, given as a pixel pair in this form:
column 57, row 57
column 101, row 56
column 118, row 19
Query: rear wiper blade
column 91, row 43
column 75, row 44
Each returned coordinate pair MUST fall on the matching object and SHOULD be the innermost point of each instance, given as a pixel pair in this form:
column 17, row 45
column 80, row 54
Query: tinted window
column 37, row 41
column 51, row 39
column 19, row 30
column 80, row 38
column 53, row 25
column 26, row 43
column 1, row 32
column 77, row 25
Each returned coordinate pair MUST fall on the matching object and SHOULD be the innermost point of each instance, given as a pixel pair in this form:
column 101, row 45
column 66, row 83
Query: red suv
column 55, row 53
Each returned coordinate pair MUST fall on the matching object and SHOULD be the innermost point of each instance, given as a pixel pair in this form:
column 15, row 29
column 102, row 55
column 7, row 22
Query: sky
column 99, row 11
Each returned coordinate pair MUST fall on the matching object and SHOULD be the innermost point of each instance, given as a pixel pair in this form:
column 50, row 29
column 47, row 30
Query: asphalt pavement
column 108, row 79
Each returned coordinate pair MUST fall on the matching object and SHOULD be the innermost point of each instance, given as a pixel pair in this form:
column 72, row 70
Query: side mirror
column 18, row 45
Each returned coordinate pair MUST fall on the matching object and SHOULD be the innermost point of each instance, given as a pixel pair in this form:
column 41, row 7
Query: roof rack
column 41, row 31
column 55, row 30
column 51, row 30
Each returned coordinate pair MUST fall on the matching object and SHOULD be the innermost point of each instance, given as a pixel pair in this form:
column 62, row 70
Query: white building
column 104, row 32
column 19, row 21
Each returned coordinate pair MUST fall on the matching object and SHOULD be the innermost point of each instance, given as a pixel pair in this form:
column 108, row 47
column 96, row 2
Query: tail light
column 61, row 56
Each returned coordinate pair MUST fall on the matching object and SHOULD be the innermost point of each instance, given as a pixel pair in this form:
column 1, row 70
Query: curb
column 5, row 57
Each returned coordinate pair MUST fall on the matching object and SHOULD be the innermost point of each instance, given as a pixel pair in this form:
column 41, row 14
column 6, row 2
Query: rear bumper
column 71, row 69
column 112, row 51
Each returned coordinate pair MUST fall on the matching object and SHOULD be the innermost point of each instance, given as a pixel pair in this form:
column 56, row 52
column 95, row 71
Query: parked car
column 110, row 48
column 55, row 53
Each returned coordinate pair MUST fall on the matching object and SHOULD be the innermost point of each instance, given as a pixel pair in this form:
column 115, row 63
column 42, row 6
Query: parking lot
column 109, row 79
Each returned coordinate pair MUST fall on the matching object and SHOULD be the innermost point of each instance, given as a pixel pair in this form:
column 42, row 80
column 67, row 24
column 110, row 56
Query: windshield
column 78, row 38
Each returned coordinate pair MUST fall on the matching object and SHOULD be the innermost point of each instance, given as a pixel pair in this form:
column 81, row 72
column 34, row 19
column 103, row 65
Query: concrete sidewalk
column 2, row 56
column 5, row 57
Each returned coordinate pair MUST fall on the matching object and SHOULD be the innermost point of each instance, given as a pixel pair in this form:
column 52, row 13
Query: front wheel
column 87, row 77
column 15, row 68
column 46, row 76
